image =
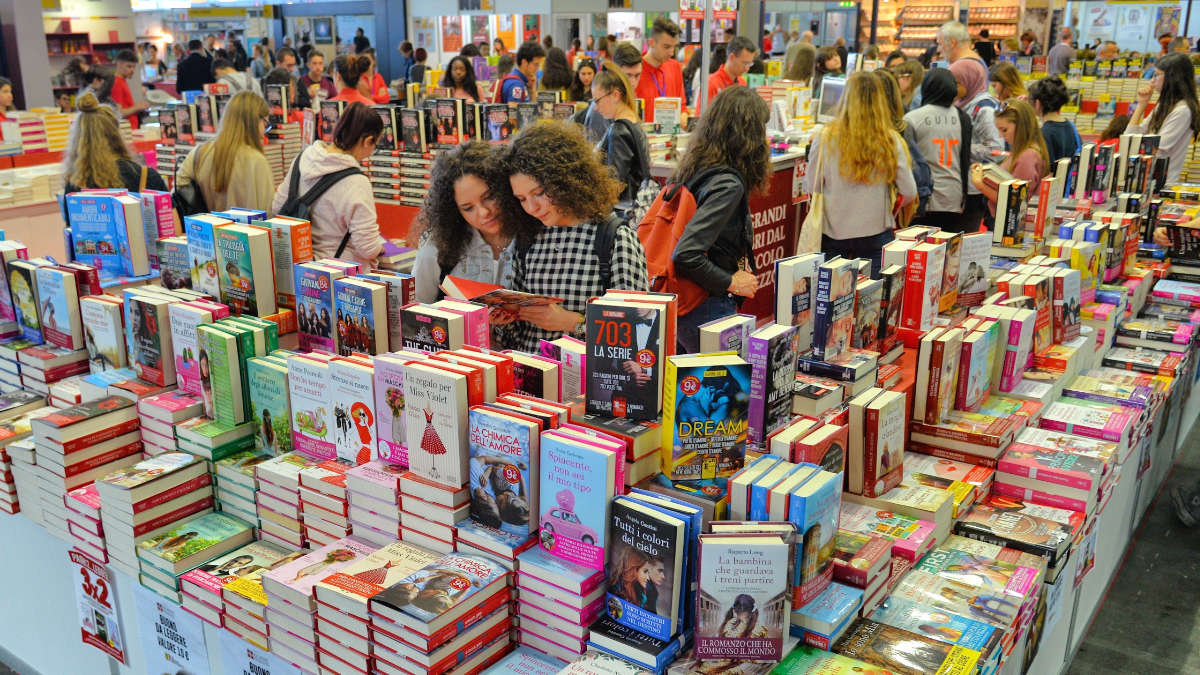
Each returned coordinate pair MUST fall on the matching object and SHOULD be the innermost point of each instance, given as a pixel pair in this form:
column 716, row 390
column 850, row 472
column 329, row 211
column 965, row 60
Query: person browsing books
column 373, row 80
column 1028, row 161
column 864, row 173
column 279, row 76
column 96, row 155
column 937, row 126
column 980, row 106
column 315, row 83
column 348, row 71
column 460, row 79
column 726, row 160
column 465, row 233
column 561, row 184
column 344, row 223
column 625, row 146
column 739, row 56
column 662, row 75
column 1047, row 96
column 515, row 87
column 232, row 169
column 1176, row 116
column 581, row 84
column 556, row 74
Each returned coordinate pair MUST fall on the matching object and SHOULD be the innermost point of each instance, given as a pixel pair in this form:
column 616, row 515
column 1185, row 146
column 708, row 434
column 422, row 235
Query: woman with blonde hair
column 857, row 162
column 1007, row 81
column 625, row 147
column 97, row 157
column 1028, row 159
column 232, row 170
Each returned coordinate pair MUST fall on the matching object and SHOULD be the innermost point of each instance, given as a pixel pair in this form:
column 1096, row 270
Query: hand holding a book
column 1160, row 236
column 551, row 317
column 744, row 284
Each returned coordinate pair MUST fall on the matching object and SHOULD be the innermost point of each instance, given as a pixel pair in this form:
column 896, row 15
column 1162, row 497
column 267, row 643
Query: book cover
column 891, row 301
column 270, row 405
column 449, row 122
column 576, row 495
column 922, row 286
column 743, row 606
column 624, row 355
column 22, row 280
column 974, row 258
column 953, row 242
column 387, row 137
column 938, row 625
column 436, row 424
column 645, row 568
column 527, row 114
column 389, row 408
column 291, row 244
column 371, row 575
column 814, row 507
column 430, row 330
column 855, row 554
column 772, row 353
column 246, row 274
column 301, row 574
column 95, row 220
column 58, row 296
column 238, row 563
column 220, row 375
column 440, row 586
column 730, row 334
column 184, row 319
column 795, row 294
column 314, row 306
column 202, row 249
column 412, row 130
column 904, row 652
column 174, row 270
column 975, row 367
column 705, row 416
column 1041, row 530
column 351, row 392
column 834, row 314
column 401, row 291
column 868, row 301
column 308, row 386
column 166, row 550
column 808, row 659
column 1012, row 201
column 999, row 577
column 505, row 455
column 330, row 112
column 910, row 536
column 358, row 306
column 958, row 598
column 150, row 348
column 884, row 443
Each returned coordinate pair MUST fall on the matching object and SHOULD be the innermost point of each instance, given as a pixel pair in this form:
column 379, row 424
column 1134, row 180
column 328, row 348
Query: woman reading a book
column 460, row 79
column 97, row 157
column 232, row 169
column 344, row 224
column 348, row 72
column 625, row 146
column 564, row 189
column 1028, row 160
column 463, row 229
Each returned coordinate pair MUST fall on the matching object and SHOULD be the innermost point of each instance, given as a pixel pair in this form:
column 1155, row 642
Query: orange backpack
column 660, row 230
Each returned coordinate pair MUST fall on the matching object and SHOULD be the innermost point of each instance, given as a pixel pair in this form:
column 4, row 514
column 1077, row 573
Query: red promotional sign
column 99, row 621
column 773, row 216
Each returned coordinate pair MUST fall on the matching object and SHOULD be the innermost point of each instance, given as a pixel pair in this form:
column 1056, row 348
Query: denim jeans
column 870, row 248
column 687, row 330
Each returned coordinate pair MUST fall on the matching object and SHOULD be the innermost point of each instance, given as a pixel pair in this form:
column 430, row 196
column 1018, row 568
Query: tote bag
column 813, row 227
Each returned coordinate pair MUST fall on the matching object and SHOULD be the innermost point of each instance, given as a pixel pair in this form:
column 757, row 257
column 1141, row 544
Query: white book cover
column 436, row 429
column 352, row 393
column 103, row 334
column 795, row 293
column 184, row 318
column 312, row 409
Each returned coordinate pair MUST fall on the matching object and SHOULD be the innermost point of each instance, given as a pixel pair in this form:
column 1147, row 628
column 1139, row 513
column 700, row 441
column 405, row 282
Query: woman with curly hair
column 726, row 160
column 460, row 79
column 562, row 185
column 464, row 234
column 861, row 157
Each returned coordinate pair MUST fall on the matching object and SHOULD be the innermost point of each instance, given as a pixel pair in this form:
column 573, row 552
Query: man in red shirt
column 739, row 57
column 121, row 94
column 661, row 73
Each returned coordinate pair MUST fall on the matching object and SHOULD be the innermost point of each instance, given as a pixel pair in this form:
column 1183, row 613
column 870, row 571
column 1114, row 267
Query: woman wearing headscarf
column 942, row 132
column 980, row 106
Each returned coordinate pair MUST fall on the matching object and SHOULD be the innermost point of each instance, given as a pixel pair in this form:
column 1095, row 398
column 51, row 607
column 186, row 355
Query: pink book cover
column 303, row 573
column 475, row 316
column 219, row 311
column 1050, row 466
column 602, row 440
column 382, row 474
column 389, row 405
column 1034, row 496
column 84, row 501
column 1016, row 349
column 171, row 402
column 910, row 537
column 1105, row 424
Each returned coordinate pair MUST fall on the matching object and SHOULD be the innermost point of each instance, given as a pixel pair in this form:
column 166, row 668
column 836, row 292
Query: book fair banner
column 172, row 639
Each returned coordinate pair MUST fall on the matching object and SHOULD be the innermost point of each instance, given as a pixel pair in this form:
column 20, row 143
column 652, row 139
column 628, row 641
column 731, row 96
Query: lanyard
column 662, row 91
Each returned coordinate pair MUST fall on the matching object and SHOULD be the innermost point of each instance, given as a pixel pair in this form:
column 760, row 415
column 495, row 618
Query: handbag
column 809, row 239
column 187, row 198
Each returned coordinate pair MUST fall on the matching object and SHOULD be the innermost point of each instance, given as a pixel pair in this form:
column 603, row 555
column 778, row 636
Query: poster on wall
column 99, row 620
column 323, row 30
column 599, row 25
column 452, row 34
column 627, row 26
column 172, row 639
column 479, row 28
column 725, row 9
column 1135, row 25
column 691, row 9
column 506, row 30
column 1101, row 22
column 424, row 33
column 1167, row 21
column 533, row 28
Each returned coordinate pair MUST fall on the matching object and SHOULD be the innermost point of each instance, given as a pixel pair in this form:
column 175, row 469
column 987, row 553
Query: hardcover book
column 624, row 355
column 505, row 455
column 795, row 295
column 705, row 416
column 773, row 352
column 577, row 483
column 646, row 568
column 743, row 604
column 834, row 315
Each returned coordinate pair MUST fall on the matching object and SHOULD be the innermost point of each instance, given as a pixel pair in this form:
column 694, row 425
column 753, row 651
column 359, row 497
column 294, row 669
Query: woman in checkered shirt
column 560, row 181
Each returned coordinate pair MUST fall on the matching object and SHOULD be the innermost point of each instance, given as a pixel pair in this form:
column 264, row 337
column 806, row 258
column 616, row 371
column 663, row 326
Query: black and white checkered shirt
column 562, row 263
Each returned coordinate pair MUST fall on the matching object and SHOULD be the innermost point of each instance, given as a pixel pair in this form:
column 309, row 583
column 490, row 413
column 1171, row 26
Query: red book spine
column 936, row 356
column 91, row 439
column 914, row 290
column 181, row 512
column 99, row 460
column 870, row 451
column 177, row 491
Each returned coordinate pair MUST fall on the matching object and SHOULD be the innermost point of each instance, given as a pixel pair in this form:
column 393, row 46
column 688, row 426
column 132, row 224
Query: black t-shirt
column 131, row 176
column 1061, row 141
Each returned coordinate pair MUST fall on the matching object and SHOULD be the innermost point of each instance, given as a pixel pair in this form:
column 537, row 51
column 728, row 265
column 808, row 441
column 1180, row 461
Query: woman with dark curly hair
column 726, row 159
column 560, row 183
column 460, row 79
column 464, row 234
column 556, row 74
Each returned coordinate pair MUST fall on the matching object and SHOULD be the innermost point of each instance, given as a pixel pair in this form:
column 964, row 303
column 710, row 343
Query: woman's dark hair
column 576, row 44
column 351, row 68
column 559, row 158
column 440, row 220
column 356, row 123
column 468, row 81
column 1115, row 128
column 278, row 76
column 1179, row 85
column 823, row 55
column 897, row 56
column 718, row 59
column 578, row 91
column 556, row 74
column 469, row 50
column 1050, row 93
column 731, row 132
column 692, row 65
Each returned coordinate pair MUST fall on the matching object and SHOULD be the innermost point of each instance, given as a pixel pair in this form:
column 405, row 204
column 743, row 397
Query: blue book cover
column 645, row 568
column 694, row 516
column 813, row 508
column 202, row 251
column 827, row 613
column 444, row 583
column 22, row 281
column 938, row 624
column 577, row 488
column 95, row 234
column 761, row 488
column 503, row 460
column 240, row 215
column 526, row 661
column 314, row 307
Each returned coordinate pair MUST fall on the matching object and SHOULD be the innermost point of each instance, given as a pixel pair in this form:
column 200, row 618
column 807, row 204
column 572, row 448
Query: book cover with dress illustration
column 646, row 568
column 743, row 603
column 352, row 586
column 389, row 407
column 705, row 419
column 903, row 652
column 834, row 314
column 576, row 491
column 505, row 455
column 312, row 414
column 436, row 426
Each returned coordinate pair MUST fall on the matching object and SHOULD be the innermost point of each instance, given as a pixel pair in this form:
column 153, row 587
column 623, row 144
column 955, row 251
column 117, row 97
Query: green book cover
column 221, row 381
column 270, row 327
column 194, row 536
column 246, row 350
column 246, row 284
column 258, row 332
column 270, row 407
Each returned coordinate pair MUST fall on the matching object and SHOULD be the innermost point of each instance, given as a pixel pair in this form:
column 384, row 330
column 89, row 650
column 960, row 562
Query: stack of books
column 165, row 557
column 429, row 512
column 213, row 440
column 559, row 600
column 285, row 137
column 278, row 499
column 237, row 488
column 84, row 523
column 44, row 365
column 343, row 621
column 23, row 460
column 291, row 602
column 245, row 601
column 66, row 392
column 864, row 562
column 81, row 444
column 420, row 625
column 158, row 415
column 32, row 131
column 10, row 364
column 8, row 485
column 323, row 502
column 373, row 495
column 203, row 587
column 58, row 127
column 149, row 498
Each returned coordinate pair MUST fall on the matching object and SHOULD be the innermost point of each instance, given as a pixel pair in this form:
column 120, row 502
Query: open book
column 492, row 295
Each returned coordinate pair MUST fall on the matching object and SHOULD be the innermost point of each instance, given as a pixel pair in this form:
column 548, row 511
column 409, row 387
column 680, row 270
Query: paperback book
column 834, row 315
column 577, row 483
column 743, row 605
column 773, row 352
column 705, row 416
column 505, row 455
column 624, row 355
column 646, row 538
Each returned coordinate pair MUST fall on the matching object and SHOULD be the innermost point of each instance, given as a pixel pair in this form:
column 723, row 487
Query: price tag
column 172, row 639
column 99, row 621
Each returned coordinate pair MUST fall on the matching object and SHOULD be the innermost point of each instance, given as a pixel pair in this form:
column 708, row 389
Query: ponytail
column 351, row 68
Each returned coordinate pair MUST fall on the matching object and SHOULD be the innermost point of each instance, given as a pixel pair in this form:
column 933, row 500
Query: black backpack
column 300, row 206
